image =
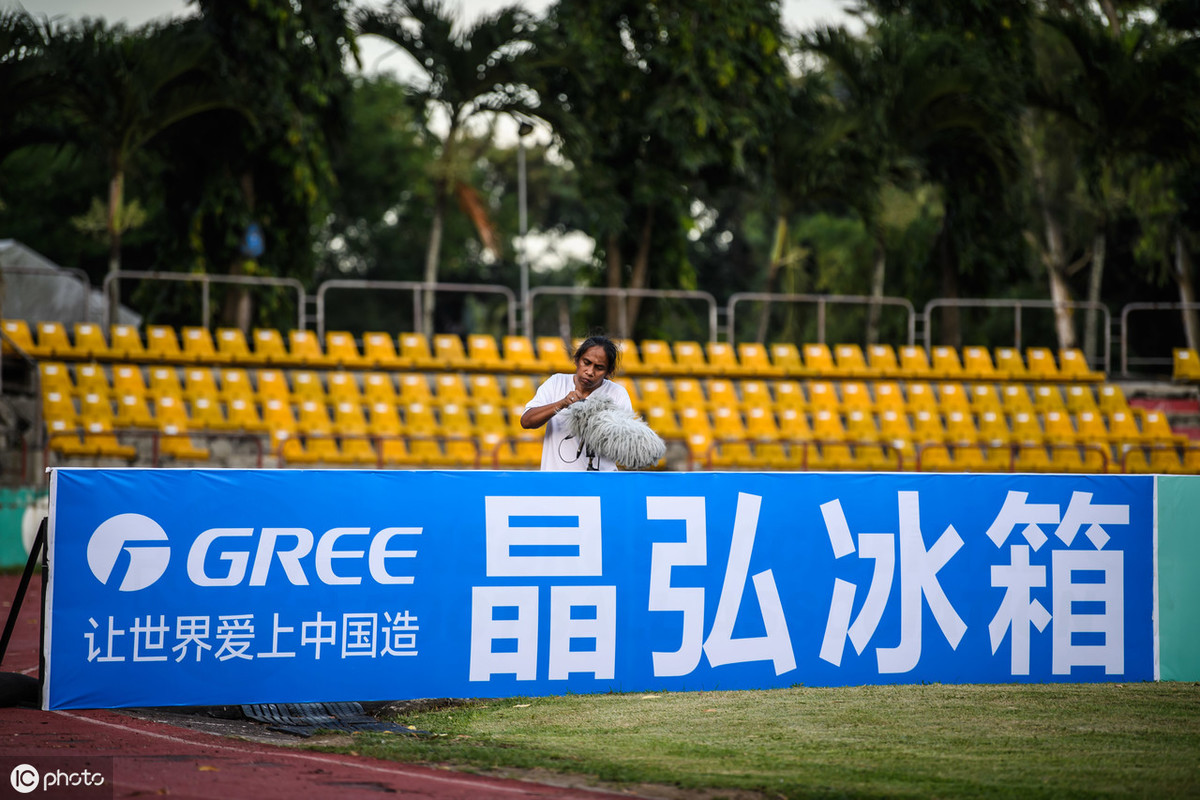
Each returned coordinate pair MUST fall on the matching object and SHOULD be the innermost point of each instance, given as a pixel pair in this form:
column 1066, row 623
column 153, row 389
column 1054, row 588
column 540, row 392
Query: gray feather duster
column 614, row 432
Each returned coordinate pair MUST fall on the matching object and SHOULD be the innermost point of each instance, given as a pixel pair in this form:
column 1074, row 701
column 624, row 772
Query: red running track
column 152, row 758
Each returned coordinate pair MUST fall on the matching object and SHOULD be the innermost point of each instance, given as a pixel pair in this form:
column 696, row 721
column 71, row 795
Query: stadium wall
column 211, row 587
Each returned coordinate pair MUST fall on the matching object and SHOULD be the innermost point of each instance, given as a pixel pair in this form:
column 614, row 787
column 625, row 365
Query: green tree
column 119, row 90
column 655, row 104
column 472, row 71
column 282, row 61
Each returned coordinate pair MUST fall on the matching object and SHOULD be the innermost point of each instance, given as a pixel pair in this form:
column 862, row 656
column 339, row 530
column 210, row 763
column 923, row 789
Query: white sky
column 376, row 53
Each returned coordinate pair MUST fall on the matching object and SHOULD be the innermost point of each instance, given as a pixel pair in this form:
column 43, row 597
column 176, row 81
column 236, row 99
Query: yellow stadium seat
column 484, row 389
column 832, row 450
column 306, row 385
column 993, row 428
column 961, row 427
column 1090, row 428
column 888, row 397
column 984, row 397
column 1025, row 428
column 280, row 423
column 1047, row 397
column 631, row 387
column 90, row 341
column 785, row 357
column 763, row 430
column 53, row 341
column 379, row 351
column 855, row 397
column 1039, row 364
column 656, row 355
column 977, row 364
column 481, row 352
column 689, row 358
column 341, row 350
column 1057, row 427
column 881, row 358
column 789, row 394
column 414, row 349
column 54, row 376
column 231, row 344
column 133, row 411
column 851, row 361
column 350, row 428
column 162, row 344
column 125, row 343
column 305, row 349
column 100, row 440
column 414, row 388
column 945, row 363
column 655, row 391
column 1031, row 457
column 722, row 358
column 206, row 414
column 1185, row 364
column 386, row 428
column 91, row 378
column 689, row 392
column 818, row 359
column 18, row 334
column 269, row 347
column 928, row 427
column 723, row 392
column 822, row 396
column 341, row 385
column 1080, row 397
column 663, row 420
column 919, row 397
column 1015, row 398
column 1009, row 364
column 553, row 355
column 378, row 388
column 164, row 381
column 1156, row 428
column 693, row 419
column 731, row 448
column 1112, row 398
column 243, row 415
column 519, row 354
column 448, row 387
column 519, row 388
column 755, row 394
column 914, row 363
column 756, row 360
column 235, row 382
column 199, row 382
column 953, row 397
column 127, row 379
column 59, row 405
column 198, row 346
column 630, row 360
column 63, row 438
column 1073, row 365
column 420, row 426
column 272, row 385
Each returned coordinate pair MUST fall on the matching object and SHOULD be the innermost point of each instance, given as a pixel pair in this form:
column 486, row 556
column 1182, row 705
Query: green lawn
column 1057, row 740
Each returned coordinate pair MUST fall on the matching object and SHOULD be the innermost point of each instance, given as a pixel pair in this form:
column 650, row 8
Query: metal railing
column 1019, row 306
column 111, row 287
column 1127, row 311
column 821, row 301
column 418, row 288
column 623, row 311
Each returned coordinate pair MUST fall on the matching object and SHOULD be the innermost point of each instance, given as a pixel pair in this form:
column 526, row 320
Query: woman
column 595, row 362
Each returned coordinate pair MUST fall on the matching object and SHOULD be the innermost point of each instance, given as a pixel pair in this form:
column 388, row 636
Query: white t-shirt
column 560, row 451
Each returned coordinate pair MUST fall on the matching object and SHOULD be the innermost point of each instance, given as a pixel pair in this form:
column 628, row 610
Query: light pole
column 523, row 130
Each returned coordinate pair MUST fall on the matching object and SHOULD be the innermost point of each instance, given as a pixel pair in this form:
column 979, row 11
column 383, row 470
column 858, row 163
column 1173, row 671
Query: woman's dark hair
column 599, row 340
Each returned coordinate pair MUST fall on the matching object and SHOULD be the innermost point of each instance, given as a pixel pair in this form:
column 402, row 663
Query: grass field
column 1019, row 741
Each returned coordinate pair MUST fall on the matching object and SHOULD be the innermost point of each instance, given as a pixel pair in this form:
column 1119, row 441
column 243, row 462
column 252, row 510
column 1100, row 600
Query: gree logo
column 126, row 533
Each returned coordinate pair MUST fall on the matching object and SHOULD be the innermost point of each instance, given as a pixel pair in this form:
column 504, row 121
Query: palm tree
column 118, row 90
column 910, row 102
column 471, row 72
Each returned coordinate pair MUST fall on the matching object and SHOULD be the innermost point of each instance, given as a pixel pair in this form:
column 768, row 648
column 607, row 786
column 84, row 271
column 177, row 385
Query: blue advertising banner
column 209, row 587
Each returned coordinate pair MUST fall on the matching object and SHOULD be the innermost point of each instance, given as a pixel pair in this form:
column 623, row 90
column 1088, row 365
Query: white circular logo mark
column 24, row 778
column 147, row 563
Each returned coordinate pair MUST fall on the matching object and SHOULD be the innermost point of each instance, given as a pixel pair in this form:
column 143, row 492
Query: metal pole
column 523, row 129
